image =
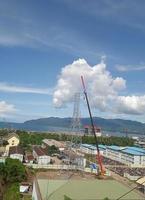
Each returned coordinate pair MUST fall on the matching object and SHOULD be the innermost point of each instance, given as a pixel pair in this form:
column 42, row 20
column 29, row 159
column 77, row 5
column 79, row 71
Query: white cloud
column 126, row 68
column 131, row 104
column 103, row 89
column 4, row 87
column 101, row 85
column 6, row 108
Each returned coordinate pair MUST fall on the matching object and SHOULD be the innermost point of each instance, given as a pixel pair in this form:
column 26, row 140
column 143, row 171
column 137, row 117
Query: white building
column 51, row 142
column 89, row 131
column 12, row 139
column 16, row 153
column 131, row 156
column 89, row 149
column 41, row 156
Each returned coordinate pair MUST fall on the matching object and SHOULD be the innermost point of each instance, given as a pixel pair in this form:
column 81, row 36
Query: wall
column 17, row 156
column 43, row 160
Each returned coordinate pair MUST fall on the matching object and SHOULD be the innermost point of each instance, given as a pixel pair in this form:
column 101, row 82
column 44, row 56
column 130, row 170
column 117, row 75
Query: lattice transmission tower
column 76, row 122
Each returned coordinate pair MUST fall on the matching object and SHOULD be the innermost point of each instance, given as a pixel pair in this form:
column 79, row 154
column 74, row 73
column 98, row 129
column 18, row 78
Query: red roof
column 30, row 157
column 39, row 151
column 15, row 150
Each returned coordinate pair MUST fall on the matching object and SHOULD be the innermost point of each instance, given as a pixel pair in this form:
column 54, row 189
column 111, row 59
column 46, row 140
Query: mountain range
column 64, row 124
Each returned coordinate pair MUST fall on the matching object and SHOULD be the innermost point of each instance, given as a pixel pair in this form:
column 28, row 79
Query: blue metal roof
column 89, row 146
column 137, row 149
column 128, row 150
column 101, row 146
column 133, row 152
column 113, row 147
column 93, row 147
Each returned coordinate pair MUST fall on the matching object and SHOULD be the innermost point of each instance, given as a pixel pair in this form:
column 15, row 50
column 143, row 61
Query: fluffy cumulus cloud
column 6, row 108
column 103, row 89
column 131, row 104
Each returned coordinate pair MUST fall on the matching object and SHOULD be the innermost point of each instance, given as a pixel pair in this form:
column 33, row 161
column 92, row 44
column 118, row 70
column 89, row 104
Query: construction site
column 56, row 185
column 72, row 181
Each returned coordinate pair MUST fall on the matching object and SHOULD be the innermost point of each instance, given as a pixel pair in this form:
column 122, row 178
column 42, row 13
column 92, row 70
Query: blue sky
column 39, row 38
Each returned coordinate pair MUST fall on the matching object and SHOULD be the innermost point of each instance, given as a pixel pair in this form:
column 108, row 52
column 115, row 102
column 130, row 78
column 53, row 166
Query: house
column 12, row 139
column 51, row 142
column 16, row 152
column 29, row 158
column 40, row 156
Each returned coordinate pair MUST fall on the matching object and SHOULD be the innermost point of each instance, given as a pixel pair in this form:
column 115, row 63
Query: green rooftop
column 84, row 190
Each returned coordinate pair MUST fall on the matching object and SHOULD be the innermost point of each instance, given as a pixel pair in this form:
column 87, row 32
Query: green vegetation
column 12, row 172
column 27, row 198
column 12, row 192
column 113, row 140
column 52, row 150
column 28, row 139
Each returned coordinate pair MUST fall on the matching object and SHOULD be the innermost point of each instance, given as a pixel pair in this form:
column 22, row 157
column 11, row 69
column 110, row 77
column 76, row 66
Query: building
column 89, row 130
column 51, row 142
column 16, row 152
column 29, row 158
column 89, row 149
column 12, row 139
column 141, row 184
column 40, row 156
column 52, row 189
column 131, row 156
column 140, row 142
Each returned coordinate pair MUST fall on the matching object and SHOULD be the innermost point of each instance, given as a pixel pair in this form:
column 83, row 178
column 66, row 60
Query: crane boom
column 93, row 128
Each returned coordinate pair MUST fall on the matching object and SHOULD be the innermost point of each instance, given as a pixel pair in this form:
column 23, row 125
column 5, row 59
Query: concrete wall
column 17, row 156
column 43, row 160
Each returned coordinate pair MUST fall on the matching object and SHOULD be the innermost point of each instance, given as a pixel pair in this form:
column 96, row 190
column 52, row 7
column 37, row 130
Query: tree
column 52, row 150
column 12, row 192
column 15, row 170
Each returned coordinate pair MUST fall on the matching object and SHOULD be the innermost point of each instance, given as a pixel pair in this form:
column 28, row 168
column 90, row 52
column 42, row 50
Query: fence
column 49, row 166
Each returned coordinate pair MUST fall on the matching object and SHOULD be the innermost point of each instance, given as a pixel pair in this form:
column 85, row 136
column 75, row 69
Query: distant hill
column 56, row 124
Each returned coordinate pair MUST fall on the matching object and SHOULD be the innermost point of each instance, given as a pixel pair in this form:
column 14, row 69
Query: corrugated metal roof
column 89, row 146
column 113, row 147
column 129, row 150
column 137, row 149
column 133, row 152
column 102, row 146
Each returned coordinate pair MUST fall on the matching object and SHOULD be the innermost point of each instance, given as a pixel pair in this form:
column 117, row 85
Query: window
column 13, row 141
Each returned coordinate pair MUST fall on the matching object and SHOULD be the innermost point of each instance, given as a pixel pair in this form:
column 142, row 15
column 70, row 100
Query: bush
column 12, row 192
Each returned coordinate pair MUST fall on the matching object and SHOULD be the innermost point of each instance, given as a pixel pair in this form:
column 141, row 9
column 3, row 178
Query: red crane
column 98, row 156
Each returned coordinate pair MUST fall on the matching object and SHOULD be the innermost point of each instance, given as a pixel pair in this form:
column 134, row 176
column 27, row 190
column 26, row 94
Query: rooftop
column 133, row 152
column 51, row 142
column 39, row 151
column 84, row 189
column 129, row 150
column 16, row 150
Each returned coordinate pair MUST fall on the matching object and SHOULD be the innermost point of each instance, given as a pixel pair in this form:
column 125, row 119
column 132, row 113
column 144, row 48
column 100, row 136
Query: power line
column 130, row 191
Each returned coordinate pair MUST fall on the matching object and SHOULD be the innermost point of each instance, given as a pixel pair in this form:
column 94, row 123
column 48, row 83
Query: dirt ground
column 64, row 174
